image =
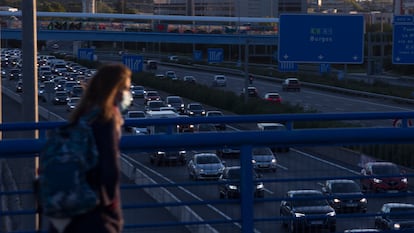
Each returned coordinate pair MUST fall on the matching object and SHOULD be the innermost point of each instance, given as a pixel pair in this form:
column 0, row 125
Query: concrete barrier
column 162, row 195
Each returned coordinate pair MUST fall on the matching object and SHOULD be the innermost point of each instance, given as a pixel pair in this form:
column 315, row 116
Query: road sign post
column 319, row 38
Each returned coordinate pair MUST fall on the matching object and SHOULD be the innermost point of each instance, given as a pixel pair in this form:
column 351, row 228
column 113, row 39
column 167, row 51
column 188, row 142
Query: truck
column 162, row 156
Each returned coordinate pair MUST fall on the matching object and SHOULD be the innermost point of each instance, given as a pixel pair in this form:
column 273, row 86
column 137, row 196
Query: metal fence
column 248, row 214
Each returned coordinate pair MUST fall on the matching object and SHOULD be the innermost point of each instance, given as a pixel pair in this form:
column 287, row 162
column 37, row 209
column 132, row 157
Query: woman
column 107, row 93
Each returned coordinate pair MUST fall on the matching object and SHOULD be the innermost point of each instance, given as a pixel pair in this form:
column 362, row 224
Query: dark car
column 395, row 217
column 383, row 177
column 306, row 209
column 61, row 97
column 19, row 86
column 345, row 195
column 168, row 157
column 251, row 91
column 195, row 109
column 176, row 102
column 151, row 95
column 229, row 183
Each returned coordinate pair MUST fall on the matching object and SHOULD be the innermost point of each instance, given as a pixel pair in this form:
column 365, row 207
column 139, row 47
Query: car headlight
column 331, row 213
column 299, row 215
column 273, row 161
column 253, row 161
column 336, row 200
column 182, row 105
column 396, row 226
column 203, row 113
column 404, row 180
column 363, row 200
column 377, row 181
column 182, row 152
column 233, row 187
column 161, row 153
column 259, row 186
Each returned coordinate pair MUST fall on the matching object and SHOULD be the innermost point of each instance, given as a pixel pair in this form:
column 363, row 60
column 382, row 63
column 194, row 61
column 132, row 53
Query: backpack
column 69, row 153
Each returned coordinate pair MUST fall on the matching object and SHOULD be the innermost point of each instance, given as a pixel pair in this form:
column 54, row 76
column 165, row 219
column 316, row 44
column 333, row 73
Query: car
column 138, row 91
column 219, row 80
column 263, row 159
column 195, row 109
column 173, row 58
column 206, row 127
column 135, row 129
column 189, row 79
column 204, row 166
column 152, row 65
column 345, row 195
column 185, row 128
column 154, row 105
column 71, row 104
column 304, row 209
column 276, row 127
column 228, row 151
column 168, row 157
column 160, row 76
column 389, row 177
column 395, row 217
column 15, row 74
column 19, row 86
column 176, row 102
column 229, row 183
column 151, row 95
column 60, row 97
column 273, row 97
column 171, row 75
column 76, row 91
column 216, row 113
column 291, row 83
column 251, row 91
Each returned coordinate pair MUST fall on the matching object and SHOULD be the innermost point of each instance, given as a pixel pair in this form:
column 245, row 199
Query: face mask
column 126, row 100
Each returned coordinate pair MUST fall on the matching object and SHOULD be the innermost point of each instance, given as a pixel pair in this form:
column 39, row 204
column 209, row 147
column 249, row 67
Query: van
column 162, row 156
column 274, row 127
column 152, row 65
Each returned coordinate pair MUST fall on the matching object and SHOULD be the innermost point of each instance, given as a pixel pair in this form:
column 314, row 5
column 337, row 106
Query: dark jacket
column 107, row 217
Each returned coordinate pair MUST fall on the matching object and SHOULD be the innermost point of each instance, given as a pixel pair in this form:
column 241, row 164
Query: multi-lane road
column 310, row 165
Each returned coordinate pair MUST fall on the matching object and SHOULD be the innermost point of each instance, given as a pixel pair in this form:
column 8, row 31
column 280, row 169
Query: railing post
column 246, row 188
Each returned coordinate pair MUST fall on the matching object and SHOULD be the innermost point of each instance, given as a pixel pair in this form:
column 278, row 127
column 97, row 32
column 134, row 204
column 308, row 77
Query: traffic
column 279, row 176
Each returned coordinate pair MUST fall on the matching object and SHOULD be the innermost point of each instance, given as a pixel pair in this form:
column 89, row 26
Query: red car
column 273, row 97
column 383, row 177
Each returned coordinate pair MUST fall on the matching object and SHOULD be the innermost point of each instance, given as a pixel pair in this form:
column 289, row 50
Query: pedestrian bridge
column 145, row 28
column 185, row 211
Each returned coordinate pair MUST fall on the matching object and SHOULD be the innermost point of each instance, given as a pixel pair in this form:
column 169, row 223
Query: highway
column 310, row 165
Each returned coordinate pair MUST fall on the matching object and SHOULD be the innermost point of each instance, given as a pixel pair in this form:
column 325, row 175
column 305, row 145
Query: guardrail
column 293, row 137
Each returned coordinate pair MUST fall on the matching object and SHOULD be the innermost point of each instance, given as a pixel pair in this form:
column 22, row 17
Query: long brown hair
column 102, row 91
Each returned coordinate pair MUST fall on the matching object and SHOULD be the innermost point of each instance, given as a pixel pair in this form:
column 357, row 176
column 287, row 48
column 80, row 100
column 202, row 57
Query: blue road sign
column 215, row 55
column 86, row 54
column 197, row 55
column 320, row 38
column 287, row 67
column 403, row 42
column 324, row 68
column 134, row 62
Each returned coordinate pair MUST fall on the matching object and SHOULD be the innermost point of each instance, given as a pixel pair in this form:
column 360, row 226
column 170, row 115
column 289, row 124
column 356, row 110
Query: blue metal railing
column 245, row 140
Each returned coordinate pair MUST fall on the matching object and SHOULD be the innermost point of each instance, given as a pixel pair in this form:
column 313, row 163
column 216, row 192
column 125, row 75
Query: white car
column 219, row 80
column 205, row 166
